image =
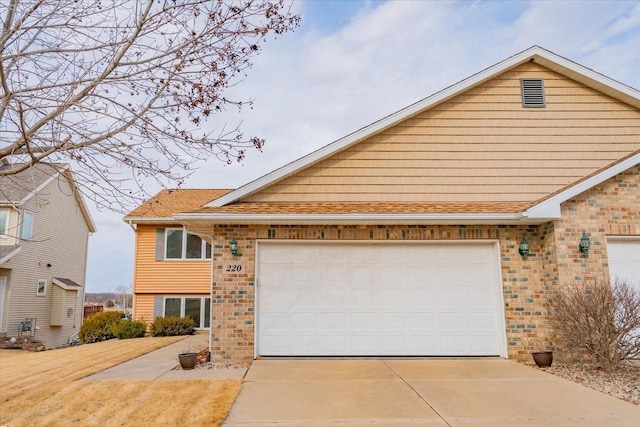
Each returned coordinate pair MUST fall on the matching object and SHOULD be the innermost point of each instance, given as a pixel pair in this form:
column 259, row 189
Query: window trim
column 44, row 288
column 24, row 216
column 183, row 256
column 183, row 299
column 4, row 228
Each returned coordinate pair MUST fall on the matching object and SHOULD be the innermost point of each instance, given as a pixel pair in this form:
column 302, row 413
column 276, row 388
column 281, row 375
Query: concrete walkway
column 161, row 364
column 427, row 392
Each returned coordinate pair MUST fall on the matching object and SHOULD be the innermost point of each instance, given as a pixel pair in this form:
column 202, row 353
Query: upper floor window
column 4, row 223
column 181, row 245
column 27, row 225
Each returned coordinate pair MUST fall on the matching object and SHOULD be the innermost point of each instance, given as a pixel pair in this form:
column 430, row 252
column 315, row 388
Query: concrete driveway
column 426, row 392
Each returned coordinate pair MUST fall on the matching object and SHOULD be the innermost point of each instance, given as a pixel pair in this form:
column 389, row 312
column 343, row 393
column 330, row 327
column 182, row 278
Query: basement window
column 532, row 93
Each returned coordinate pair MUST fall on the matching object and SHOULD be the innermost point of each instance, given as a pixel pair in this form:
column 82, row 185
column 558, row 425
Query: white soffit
column 541, row 56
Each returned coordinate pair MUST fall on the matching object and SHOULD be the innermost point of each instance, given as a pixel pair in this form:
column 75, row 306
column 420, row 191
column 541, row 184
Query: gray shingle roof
column 14, row 188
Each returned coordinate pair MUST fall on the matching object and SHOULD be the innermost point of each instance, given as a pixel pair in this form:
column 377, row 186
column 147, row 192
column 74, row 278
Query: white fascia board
column 44, row 184
column 550, row 208
column 355, row 219
column 11, row 254
column 148, row 220
column 591, row 78
column 378, row 126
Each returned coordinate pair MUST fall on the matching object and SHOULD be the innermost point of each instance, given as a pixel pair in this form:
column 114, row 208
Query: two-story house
column 439, row 230
column 44, row 232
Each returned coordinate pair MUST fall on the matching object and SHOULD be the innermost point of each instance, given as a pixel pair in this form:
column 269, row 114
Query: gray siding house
column 44, row 231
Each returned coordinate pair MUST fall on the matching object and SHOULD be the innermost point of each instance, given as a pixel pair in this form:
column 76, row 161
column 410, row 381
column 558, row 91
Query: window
column 4, row 223
column 27, row 225
column 181, row 245
column 197, row 308
column 41, row 290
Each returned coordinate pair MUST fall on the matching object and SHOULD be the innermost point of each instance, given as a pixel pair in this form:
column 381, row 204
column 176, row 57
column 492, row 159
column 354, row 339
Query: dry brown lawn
column 45, row 389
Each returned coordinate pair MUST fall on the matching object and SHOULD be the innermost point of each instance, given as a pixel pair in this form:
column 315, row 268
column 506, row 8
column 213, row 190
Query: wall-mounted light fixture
column 584, row 244
column 523, row 249
column 233, row 247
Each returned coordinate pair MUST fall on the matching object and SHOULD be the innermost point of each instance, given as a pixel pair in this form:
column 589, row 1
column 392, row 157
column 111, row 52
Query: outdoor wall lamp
column 584, row 244
column 233, row 247
column 523, row 249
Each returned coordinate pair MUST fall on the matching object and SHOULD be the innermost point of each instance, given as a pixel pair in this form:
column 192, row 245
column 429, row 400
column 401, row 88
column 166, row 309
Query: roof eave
column 551, row 206
column 535, row 53
column 360, row 219
column 148, row 220
column 11, row 254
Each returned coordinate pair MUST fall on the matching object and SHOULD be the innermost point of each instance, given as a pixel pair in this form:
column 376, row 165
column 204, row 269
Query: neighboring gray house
column 44, row 231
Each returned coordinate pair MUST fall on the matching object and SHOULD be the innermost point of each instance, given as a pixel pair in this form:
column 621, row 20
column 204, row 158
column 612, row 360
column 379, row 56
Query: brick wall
column 612, row 208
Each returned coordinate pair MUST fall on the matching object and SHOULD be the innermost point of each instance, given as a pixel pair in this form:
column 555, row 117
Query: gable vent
column 532, row 93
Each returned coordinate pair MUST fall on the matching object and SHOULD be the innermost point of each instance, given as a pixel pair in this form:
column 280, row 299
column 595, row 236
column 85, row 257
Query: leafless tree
column 124, row 293
column 123, row 89
column 600, row 319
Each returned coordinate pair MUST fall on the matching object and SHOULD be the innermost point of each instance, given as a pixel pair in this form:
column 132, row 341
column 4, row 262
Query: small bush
column 129, row 329
column 600, row 319
column 172, row 326
column 99, row 327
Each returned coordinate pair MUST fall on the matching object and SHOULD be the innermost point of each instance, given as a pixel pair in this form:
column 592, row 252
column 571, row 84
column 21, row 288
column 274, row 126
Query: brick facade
column 612, row 208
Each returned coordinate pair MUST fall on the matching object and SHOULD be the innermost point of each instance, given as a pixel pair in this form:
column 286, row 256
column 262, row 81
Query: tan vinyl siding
column 143, row 307
column 166, row 277
column 480, row 146
column 60, row 238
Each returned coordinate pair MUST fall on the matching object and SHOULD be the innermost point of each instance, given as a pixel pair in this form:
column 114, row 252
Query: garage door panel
column 452, row 297
column 421, row 322
column 624, row 260
column 396, row 299
column 421, row 299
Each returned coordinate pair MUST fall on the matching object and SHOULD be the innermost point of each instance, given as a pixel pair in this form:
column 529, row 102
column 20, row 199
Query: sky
column 353, row 62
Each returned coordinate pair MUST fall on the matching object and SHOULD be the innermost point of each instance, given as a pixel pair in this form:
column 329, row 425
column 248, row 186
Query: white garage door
column 624, row 260
column 379, row 300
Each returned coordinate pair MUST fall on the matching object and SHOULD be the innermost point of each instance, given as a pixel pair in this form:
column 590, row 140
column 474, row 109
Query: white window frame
column 182, row 298
column 183, row 256
column 44, row 291
column 24, row 216
column 4, row 228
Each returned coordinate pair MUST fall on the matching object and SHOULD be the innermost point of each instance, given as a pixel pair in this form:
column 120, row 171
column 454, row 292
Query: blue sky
column 353, row 62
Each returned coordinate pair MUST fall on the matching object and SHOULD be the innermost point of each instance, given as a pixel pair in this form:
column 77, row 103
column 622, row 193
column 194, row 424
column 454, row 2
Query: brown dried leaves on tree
column 123, row 89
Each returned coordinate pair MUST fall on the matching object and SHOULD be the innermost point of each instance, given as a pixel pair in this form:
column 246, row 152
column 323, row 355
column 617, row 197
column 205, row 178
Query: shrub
column 172, row 325
column 129, row 328
column 600, row 319
column 99, row 327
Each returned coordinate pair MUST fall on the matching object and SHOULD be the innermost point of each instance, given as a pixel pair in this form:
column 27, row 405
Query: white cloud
column 313, row 87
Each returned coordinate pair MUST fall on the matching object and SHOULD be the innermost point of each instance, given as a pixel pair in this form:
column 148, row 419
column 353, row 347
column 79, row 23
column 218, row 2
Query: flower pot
column 188, row 360
column 543, row 359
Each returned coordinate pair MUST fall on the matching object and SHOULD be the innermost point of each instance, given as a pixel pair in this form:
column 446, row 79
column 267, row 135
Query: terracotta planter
column 543, row 359
column 188, row 360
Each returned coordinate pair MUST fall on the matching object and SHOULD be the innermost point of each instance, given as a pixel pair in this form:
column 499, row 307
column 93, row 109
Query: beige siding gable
column 480, row 146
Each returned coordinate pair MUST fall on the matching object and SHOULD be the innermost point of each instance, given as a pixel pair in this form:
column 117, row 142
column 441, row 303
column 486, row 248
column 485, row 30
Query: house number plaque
column 233, row 268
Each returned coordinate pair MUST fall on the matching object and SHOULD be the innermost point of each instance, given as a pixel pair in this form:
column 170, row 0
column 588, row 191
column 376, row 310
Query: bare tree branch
column 125, row 88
